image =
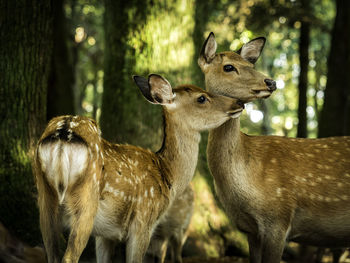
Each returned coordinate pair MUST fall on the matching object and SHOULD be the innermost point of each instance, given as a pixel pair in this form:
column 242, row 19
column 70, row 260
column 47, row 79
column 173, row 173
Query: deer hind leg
column 49, row 225
column 137, row 244
column 83, row 207
column 104, row 250
column 157, row 250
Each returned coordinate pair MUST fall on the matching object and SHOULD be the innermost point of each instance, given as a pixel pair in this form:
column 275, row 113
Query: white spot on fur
column 73, row 124
column 110, row 189
column 273, row 160
column 152, row 191
column 60, row 124
column 279, row 192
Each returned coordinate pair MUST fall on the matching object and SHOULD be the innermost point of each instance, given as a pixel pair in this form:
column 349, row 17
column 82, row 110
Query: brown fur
column 277, row 188
column 121, row 191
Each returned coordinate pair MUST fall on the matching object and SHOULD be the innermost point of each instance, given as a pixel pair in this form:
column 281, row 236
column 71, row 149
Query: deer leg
column 255, row 248
column 137, row 245
column 157, row 250
column 104, row 250
column 176, row 248
column 273, row 246
column 82, row 220
column 49, row 225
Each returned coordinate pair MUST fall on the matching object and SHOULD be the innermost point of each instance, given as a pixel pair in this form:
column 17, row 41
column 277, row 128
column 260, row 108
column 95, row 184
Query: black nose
column 271, row 84
column 240, row 103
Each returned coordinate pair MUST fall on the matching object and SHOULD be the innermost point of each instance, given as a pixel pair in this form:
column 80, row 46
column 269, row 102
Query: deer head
column 188, row 104
column 232, row 73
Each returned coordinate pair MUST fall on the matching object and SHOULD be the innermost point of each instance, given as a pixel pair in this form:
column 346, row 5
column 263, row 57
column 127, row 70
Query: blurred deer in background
column 274, row 188
column 120, row 192
column 172, row 229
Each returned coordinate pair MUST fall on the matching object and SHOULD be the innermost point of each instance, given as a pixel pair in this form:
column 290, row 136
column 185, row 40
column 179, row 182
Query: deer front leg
column 49, row 225
column 83, row 211
column 137, row 245
column 273, row 245
column 104, row 250
column 255, row 248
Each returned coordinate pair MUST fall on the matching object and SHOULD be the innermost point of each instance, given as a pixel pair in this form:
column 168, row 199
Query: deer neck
column 226, row 155
column 179, row 153
column 227, row 135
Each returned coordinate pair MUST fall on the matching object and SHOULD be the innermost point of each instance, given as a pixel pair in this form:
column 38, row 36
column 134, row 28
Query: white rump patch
column 62, row 163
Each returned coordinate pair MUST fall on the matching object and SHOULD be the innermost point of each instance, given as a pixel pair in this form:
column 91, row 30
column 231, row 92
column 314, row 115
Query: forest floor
column 326, row 259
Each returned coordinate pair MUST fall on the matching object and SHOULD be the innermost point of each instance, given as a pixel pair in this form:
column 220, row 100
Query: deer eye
column 201, row 99
column 229, row 68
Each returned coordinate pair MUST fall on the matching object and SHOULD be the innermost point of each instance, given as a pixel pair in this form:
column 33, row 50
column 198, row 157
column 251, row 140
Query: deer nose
column 271, row 84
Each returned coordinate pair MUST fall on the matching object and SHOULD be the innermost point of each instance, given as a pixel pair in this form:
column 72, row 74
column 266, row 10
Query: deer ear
column 160, row 89
column 251, row 51
column 143, row 85
column 208, row 51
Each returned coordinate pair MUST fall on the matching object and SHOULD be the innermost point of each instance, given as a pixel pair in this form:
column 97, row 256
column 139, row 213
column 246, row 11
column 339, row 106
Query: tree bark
column 304, row 43
column 116, row 31
column 335, row 114
column 60, row 99
column 25, row 51
column 119, row 99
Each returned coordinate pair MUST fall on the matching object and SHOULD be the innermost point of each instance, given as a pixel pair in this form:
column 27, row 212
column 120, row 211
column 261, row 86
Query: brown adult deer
column 172, row 229
column 274, row 188
column 120, row 192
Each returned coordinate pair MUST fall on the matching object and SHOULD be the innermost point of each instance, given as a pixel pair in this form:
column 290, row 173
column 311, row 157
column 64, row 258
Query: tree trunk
column 120, row 98
column 116, row 32
column 25, row 51
column 335, row 115
column 304, row 43
column 60, row 90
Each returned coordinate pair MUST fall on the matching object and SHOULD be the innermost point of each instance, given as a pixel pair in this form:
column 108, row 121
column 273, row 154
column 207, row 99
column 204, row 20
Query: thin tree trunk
column 25, row 51
column 304, row 43
column 60, row 99
column 335, row 115
column 118, row 98
column 116, row 31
